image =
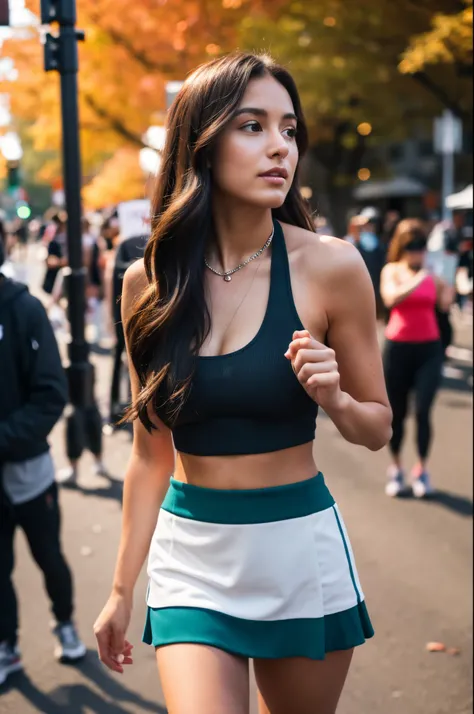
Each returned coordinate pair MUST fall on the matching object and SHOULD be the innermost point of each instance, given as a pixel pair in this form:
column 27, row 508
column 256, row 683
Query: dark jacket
column 33, row 385
column 128, row 252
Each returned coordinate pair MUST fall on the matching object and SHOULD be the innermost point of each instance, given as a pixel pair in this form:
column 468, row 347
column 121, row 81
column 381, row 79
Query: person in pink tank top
column 413, row 353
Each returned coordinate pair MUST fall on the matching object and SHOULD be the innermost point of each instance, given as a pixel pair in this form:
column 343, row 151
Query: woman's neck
column 239, row 232
column 411, row 268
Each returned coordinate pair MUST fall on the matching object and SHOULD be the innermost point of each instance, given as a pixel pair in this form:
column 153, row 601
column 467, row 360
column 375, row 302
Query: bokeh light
column 364, row 128
column 364, row 174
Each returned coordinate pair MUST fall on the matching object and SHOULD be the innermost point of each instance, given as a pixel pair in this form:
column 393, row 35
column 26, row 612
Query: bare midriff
column 277, row 468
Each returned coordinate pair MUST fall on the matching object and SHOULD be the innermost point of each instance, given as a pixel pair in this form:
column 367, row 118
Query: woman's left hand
column 316, row 368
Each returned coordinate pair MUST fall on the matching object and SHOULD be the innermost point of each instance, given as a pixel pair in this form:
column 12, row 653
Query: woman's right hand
column 110, row 629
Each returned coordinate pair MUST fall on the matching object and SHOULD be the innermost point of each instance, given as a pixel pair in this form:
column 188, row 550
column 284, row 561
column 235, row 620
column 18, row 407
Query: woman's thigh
column 302, row 686
column 198, row 679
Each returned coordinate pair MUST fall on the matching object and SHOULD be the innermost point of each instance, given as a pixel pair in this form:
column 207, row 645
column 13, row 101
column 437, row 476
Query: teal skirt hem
column 312, row 638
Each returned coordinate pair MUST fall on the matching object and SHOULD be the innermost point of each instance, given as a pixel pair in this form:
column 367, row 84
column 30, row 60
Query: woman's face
column 256, row 156
column 415, row 259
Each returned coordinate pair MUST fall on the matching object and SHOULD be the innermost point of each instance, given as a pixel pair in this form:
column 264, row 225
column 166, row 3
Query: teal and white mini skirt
column 264, row 573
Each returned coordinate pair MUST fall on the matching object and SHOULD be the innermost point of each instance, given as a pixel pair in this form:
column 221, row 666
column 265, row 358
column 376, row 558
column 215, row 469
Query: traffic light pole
column 84, row 424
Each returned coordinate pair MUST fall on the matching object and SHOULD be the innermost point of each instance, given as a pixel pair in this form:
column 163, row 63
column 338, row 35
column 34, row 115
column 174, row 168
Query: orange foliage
column 121, row 179
column 131, row 50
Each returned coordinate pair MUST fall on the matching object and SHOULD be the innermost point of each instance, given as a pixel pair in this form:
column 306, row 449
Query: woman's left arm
column 345, row 377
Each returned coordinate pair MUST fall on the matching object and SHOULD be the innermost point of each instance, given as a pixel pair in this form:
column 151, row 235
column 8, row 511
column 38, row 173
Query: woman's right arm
column 392, row 290
column 146, row 482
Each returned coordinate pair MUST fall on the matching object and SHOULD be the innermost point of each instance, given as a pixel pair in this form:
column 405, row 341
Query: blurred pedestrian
column 413, row 356
column 94, row 264
column 84, row 427
column 323, row 226
column 354, row 229
column 21, row 235
column 390, row 222
column 250, row 557
column 373, row 253
column 57, row 251
column 127, row 252
column 33, row 392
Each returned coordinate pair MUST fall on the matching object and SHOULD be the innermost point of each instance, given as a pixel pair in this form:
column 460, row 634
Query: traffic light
column 13, row 174
column 4, row 13
column 23, row 210
column 60, row 50
column 61, row 11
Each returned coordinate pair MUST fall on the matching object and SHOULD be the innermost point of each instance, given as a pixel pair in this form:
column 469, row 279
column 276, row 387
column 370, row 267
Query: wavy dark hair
column 171, row 319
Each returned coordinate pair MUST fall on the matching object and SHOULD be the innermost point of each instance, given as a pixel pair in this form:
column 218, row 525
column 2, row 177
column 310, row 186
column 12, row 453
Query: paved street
column 414, row 560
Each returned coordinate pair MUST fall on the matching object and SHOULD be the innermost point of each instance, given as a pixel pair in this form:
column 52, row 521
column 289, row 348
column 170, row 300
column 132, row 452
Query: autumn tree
column 447, row 42
column 346, row 59
column 131, row 50
column 349, row 60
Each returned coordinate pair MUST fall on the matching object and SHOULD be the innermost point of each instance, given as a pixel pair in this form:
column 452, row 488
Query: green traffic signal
column 23, row 212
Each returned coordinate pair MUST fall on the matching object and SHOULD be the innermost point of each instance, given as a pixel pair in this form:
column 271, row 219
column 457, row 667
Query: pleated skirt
column 264, row 573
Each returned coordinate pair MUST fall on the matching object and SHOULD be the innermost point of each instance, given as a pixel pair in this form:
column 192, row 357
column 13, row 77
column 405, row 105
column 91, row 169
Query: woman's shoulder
column 135, row 278
column 391, row 269
column 135, row 282
column 322, row 255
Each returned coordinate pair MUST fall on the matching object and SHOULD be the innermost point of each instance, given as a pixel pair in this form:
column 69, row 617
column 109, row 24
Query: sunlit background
column 387, row 91
column 374, row 75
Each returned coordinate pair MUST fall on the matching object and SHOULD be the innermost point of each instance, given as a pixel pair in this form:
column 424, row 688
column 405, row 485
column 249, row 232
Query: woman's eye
column 252, row 127
column 291, row 132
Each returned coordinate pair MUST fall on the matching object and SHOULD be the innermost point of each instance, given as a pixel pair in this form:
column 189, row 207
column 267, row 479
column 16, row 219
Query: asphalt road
column 414, row 559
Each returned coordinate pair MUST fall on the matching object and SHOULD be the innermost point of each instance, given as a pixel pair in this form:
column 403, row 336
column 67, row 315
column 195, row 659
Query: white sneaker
column 69, row 648
column 10, row 661
column 395, row 483
column 421, row 485
column 100, row 469
column 67, row 476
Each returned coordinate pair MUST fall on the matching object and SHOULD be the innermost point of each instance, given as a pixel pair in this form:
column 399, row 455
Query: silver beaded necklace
column 227, row 274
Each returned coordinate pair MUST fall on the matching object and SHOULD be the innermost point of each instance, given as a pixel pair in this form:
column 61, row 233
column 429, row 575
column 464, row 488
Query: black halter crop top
column 250, row 401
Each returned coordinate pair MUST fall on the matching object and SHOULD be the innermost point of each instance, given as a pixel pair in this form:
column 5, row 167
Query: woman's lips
column 273, row 179
column 276, row 176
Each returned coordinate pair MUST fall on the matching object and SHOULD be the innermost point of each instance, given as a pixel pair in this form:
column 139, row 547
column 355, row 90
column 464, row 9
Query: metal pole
column 84, row 424
column 448, row 182
column 78, row 349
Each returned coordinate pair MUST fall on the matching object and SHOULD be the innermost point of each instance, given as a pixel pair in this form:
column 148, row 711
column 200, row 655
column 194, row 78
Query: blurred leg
column 427, row 383
column 41, row 522
column 9, row 608
column 399, row 382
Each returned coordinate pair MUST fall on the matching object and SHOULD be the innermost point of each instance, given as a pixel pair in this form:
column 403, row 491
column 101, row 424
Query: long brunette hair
column 171, row 320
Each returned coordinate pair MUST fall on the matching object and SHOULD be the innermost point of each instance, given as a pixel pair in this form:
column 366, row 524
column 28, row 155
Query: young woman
column 414, row 353
column 234, row 323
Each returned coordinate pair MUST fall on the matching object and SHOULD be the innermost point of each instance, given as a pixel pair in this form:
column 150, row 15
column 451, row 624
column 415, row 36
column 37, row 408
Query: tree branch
column 437, row 91
column 115, row 123
column 138, row 55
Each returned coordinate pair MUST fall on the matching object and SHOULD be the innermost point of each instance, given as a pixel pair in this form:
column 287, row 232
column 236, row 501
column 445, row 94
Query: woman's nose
column 279, row 148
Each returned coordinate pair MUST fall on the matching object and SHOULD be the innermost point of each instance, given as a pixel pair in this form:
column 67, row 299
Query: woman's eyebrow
column 262, row 113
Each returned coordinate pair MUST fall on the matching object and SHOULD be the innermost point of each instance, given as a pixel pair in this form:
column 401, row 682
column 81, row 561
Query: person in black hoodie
column 33, row 391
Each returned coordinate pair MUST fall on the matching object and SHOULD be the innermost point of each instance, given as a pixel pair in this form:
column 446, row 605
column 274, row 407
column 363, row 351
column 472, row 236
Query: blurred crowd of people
column 418, row 269
column 449, row 246
column 106, row 256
